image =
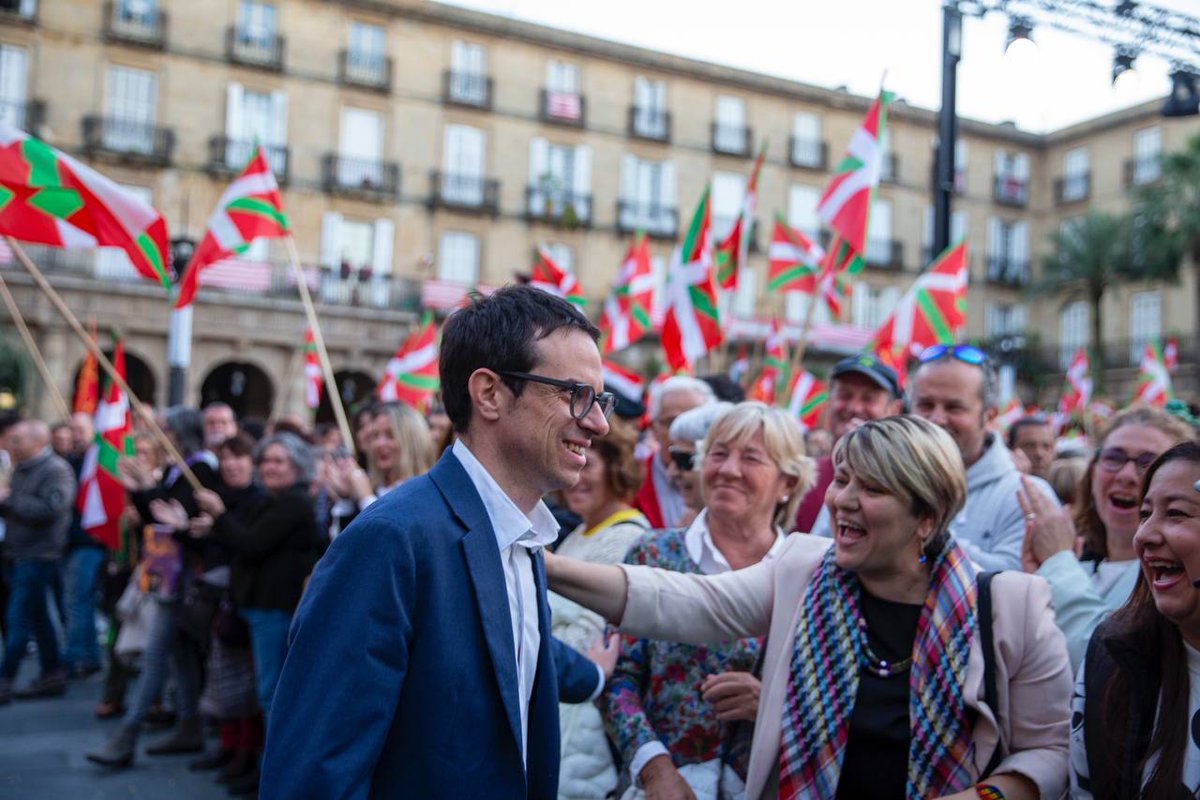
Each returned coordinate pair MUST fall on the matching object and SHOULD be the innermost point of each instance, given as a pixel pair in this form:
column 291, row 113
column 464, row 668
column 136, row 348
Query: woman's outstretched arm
column 599, row 587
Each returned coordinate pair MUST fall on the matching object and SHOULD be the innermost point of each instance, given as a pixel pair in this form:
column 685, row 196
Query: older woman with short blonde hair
column 872, row 637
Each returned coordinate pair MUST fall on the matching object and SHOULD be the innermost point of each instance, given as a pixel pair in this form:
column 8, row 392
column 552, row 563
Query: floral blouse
column 655, row 692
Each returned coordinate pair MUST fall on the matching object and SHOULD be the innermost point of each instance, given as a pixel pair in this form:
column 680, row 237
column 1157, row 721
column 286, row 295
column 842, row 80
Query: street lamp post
column 943, row 188
column 179, row 332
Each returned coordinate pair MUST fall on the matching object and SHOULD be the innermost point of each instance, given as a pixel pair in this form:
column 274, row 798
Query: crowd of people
column 906, row 602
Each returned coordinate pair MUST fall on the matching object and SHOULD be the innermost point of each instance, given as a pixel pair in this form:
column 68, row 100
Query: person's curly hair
column 623, row 474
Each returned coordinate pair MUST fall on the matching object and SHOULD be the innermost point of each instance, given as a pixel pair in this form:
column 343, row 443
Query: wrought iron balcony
column 1142, row 171
column 1007, row 271
column 377, row 180
column 126, row 22
column 366, row 70
column 885, row 254
column 657, row 220
column 731, row 140
column 1073, row 188
column 141, row 141
column 889, row 170
column 228, row 156
column 558, row 206
column 808, row 153
column 653, row 124
column 19, row 11
column 1010, row 191
column 254, row 49
column 562, row 108
column 470, row 89
column 464, row 192
column 24, row 116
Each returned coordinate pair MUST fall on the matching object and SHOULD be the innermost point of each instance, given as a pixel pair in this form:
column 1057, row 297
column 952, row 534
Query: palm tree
column 1092, row 254
column 1169, row 210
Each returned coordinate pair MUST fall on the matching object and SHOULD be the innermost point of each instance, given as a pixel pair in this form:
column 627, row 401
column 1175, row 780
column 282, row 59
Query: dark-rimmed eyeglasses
column 583, row 395
column 966, row 353
column 1114, row 459
column 684, row 460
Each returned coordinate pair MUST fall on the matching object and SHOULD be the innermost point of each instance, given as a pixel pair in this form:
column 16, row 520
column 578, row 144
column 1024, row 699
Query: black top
column 876, row 761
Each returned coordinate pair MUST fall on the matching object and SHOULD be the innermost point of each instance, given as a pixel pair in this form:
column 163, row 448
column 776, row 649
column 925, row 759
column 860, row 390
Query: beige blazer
column 1033, row 673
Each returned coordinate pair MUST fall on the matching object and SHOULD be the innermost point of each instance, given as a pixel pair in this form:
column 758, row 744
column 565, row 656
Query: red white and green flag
column 412, row 374
column 249, row 209
column 806, row 399
column 625, row 316
column 775, row 364
column 733, row 251
column 932, row 311
column 1154, row 381
column 793, row 260
column 692, row 325
column 314, row 379
column 622, row 380
column 87, row 385
column 47, row 197
column 1170, row 353
column 1078, row 393
column 846, row 204
column 550, row 277
column 1011, row 412
column 101, row 497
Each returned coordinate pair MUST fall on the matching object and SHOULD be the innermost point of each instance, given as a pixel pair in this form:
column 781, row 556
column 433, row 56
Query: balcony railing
column 1073, row 188
column 372, row 179
column 1007, row 271
column 22, row 11
column 367, row 70
column 464, row 192
column 731, row 140
column 658, row 221
column 889, row 170
column 562, row 108
column 960, row 177
column 24, row 116
column 254, row 49
column 143, row 141
column 653, row 124
column 361, row 288
column 885, row 254
column 1119, row 352
column 1010, row 191
column 228, row 156
column 125, row 22
column 559, row 206
column 466, row 89
column 1142, row 171
column 808, row 153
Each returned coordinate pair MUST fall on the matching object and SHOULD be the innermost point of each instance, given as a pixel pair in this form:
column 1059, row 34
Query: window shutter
column 1021, row 167
column 12, row 74
column 331, row 239
column 233, row 111
column 666, row 189
column 539, row 160
column 995, row 233
column 279, row 121
column 629, row 170
column 381, row 250
column 583, row 170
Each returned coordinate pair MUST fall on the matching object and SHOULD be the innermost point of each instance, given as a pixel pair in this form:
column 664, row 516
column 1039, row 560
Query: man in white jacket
column 956, row 387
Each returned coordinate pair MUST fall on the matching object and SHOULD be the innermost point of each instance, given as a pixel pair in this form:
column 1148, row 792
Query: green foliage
column 1170, row 207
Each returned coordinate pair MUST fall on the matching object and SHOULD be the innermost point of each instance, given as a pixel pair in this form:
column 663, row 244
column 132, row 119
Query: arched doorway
column 356, row 390
column 137, row 374
column 244, row 386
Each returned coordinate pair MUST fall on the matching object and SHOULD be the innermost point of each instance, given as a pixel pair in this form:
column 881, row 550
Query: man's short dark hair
column 498, row 333
column 1023, row 422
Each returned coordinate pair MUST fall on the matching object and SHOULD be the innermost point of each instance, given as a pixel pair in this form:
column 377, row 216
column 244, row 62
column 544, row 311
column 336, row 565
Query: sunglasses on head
column 966, row 353
column 684, row 460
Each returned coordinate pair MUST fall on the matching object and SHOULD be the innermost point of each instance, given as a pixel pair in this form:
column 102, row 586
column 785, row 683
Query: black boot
column 51, row 684
column 242, row 763
column 211, row 761
column 184, row 739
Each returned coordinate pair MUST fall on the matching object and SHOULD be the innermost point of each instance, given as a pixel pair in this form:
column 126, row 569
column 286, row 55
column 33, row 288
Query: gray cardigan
column 38, row 511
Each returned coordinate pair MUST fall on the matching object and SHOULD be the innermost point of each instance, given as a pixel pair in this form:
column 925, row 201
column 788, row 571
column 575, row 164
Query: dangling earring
column 921, row 557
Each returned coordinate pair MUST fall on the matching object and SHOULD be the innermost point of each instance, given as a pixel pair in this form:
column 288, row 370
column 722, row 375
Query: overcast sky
column 852, row 42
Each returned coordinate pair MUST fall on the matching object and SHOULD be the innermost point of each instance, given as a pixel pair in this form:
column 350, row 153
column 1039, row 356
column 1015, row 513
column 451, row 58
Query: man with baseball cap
column 862, row 388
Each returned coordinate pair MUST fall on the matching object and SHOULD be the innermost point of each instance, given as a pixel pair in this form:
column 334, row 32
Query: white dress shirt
column 517, row 536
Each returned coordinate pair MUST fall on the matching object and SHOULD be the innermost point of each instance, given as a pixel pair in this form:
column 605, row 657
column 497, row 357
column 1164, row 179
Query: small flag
column 1154, row 382
column 625, row 316
column 313, row 378
column 412, row 374
column 806, row 399
column 101, row 497
column 692, row 324
column 549, row 277
column 793, row 260
column 732, row 253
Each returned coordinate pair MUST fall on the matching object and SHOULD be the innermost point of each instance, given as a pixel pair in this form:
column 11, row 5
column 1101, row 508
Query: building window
column 729, row 131
column 1072, row 331
column 958, row 232
column 745, row 293
column 1011, row 179
column 879, row 233
column 468, row 74
column 1075, row 180
column 1147, row 150
column 252, row 116
column 12, row 87
column 458, row 259
column 1145, row 322
column 1004, row 320
column 802, row 210
column 728, row 192
column 1008, row 251
column 562, row 101
column 360, row 148
column 795, row 308
column 366, row 61
column 357, row 254
column 131, row 105
column 256, row 25
column 462, row 164
column 873, row 304
column 807, row 149
column 648, row 117
column 647, row 197
column 559, row 181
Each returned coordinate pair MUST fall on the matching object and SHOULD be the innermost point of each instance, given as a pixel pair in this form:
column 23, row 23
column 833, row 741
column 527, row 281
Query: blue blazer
column 400, row 680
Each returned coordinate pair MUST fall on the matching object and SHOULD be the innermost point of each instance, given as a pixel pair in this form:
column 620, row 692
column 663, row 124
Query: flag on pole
column 624, row 381
column 550, row 277
column 101, row 497
column 793, row 260
column 1078, row 393
column 412, row 374
column 87, row 385
column 249, row 209
column 626, row 312
column 732, row 253
column 1154, row 382
column 47, row 197
column 932, row 310
column 806, row 399
column 692, row 324
column 775, row 364
column 314, row 379
column 1171, row 353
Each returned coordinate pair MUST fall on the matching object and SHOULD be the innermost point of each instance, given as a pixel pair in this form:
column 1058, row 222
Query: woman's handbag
column 138, row 613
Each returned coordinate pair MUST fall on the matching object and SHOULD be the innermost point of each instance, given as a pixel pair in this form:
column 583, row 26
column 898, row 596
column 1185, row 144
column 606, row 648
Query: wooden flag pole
column 163, row 440
column 34, row 353
column 805, row 328
column 335, row 398
column 288, row 378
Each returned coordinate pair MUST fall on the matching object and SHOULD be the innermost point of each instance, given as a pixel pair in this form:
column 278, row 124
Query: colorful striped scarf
column 828, row 655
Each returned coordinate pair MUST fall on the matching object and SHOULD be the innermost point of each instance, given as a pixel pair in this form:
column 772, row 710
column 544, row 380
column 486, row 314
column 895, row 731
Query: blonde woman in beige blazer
column 897, row 484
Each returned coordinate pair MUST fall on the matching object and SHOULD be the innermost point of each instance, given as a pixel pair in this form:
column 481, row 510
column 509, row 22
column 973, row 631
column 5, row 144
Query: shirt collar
column 702, row 550
column 509, row 522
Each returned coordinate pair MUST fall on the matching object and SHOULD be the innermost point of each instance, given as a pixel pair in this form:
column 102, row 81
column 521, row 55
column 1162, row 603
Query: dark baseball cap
column 871, row 367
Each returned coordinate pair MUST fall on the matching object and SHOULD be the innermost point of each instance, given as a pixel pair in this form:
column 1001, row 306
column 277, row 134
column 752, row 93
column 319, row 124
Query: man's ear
column 489, row 396
column 989, row 415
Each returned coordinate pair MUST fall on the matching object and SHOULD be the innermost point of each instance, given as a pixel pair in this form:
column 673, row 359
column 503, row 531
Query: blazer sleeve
column 1039, row 691
column 579, row 678
column 336, row 697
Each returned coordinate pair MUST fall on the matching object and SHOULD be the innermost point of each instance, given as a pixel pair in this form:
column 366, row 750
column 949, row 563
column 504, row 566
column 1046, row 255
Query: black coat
column 274, row 547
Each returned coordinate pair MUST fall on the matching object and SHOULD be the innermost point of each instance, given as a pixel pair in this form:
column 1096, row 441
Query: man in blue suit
column 421, row 663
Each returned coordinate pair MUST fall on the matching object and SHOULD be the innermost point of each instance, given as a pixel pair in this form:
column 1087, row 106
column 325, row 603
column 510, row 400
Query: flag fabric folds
column 47, row 197
column 619, row 379
column 1154, row 381
column 767, row 386
column 313, row 378
column 732, row 253
column 550, row 277
column 101, row 497
column 932, row 310
column 793, row 260
column 412, row 374
column 625, row 316
column 1078, row 394
column 692, row 326
column 249, row 209
column 806, row 399
column 87, row 385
